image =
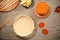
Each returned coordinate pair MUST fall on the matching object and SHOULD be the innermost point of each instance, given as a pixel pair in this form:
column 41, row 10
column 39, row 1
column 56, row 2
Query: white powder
column 24, row 26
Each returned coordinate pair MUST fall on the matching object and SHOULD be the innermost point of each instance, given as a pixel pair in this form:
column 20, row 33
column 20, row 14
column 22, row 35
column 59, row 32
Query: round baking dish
column 29, row 35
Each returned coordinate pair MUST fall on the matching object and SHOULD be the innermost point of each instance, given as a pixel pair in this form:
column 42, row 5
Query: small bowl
column 41, row 14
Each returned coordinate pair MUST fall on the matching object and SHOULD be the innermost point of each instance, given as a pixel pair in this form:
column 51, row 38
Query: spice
column 42, row 9
column 57, row 9
column 41, row 24
column 45, row 31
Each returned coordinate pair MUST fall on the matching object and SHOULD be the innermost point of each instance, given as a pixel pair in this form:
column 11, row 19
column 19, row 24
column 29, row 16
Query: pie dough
column 23, row 26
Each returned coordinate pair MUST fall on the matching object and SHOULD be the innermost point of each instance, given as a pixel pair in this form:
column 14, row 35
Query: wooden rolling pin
column 6, row 21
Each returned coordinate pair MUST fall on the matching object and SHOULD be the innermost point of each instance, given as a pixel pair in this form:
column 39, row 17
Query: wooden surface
column 52, row 22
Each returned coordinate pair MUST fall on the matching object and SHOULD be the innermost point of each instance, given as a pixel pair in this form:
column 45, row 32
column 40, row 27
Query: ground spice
column 45, row 31
column 41, row 24
column 57, row 9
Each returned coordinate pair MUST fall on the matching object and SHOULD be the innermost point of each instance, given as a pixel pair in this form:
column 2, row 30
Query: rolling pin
column 6, row 21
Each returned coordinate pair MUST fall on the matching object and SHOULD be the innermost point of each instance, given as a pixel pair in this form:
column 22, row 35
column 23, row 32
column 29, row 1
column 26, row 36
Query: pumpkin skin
column 42, row 9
